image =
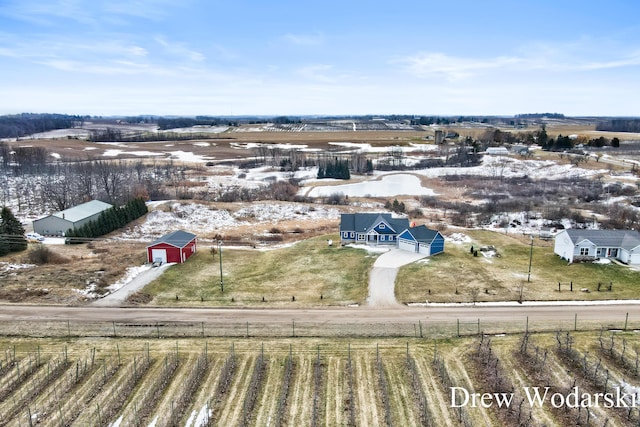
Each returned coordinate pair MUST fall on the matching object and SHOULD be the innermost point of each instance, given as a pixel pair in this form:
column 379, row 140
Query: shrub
column 43, row 255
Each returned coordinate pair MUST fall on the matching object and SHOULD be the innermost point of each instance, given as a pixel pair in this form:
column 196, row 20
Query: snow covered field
column 389, row 185
column 202, row 219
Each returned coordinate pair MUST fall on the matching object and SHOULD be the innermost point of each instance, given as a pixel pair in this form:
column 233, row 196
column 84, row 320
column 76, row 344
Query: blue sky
column 189, row 57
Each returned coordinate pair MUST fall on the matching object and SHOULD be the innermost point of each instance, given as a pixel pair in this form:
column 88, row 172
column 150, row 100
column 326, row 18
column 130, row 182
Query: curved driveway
column 382, row 276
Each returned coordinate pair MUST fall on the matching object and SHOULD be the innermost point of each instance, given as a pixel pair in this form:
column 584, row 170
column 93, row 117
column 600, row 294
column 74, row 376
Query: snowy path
column 383, row 276
column 119, row 297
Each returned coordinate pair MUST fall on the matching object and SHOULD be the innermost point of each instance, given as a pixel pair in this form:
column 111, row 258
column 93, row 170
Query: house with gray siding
column 59, row 223
column 586, row 245
column 371, row 228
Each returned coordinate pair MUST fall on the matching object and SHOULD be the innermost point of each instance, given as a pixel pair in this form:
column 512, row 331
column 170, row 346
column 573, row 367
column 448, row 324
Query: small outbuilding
column 59, row 223
column 421, row 240
column 173, row 247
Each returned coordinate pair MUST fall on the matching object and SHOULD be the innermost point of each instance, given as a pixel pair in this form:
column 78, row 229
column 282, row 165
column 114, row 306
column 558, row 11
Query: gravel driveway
column 383, row 275
column 118, row 297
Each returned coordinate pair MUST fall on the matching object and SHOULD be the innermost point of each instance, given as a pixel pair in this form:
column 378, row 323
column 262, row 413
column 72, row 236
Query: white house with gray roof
column 59, row 223
column 585, row 245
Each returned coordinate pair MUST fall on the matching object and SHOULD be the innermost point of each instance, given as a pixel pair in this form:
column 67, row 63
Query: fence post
column 420, row 324
column 626, row 320
column 526, row 325
column 114, row 328
column 478, row 326
column 575, row 322
column 458, row 321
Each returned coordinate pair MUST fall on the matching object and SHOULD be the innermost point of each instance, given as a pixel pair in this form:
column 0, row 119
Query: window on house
column 352, row 234
column 584, row 251
column 381, row 226
column 360, row 236
column 383, row 238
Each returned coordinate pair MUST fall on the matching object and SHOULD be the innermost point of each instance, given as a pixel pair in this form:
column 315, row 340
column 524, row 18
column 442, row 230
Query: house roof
column 363, row 222
column 423, row 234
column 85, row 210
column 625, row 239
column 178, row 238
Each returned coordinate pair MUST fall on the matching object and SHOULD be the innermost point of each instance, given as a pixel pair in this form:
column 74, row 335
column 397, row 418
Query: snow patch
column 5, row 266
column 458, row 238
column 267, row 212
column 199, row 419
column 117, row 422
column 369, row 249
column 387, row 186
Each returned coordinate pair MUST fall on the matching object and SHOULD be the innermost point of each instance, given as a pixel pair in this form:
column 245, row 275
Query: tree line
column 61, row 185
column 186, row 122
column 19, row 125
column 337, row 168
column 619, row 125
column 116, row 135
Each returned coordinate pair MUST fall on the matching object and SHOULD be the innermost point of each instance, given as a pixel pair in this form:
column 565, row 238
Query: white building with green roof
column 59, row 223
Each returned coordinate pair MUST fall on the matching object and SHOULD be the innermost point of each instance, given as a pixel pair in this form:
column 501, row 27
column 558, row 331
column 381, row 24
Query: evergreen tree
column 4, row 245
column 11, row 231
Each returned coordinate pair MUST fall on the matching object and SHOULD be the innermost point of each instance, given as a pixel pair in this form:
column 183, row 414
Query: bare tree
column 57, row 187
column 111, row 179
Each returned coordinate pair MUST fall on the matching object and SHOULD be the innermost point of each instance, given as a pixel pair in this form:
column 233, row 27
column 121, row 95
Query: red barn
column 173, row 247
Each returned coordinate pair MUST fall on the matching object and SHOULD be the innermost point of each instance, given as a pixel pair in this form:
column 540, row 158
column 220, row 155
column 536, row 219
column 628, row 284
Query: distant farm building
column 59, row 223
column 586, row 245
column 497, row 151
column 421, row 240
column 173, row 247
column 371, row 228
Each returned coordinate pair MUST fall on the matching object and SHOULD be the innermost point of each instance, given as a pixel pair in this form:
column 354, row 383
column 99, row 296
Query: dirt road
column 352, row 315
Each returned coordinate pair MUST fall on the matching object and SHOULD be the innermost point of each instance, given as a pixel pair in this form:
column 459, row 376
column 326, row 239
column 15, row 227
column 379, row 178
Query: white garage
column 159, row 255
column 408, row 245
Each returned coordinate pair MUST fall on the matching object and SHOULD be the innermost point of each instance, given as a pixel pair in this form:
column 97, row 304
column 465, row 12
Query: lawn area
column 458, row 276
column 311, row 271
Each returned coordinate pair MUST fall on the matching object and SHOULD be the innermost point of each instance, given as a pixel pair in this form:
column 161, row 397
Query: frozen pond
column 388, row 186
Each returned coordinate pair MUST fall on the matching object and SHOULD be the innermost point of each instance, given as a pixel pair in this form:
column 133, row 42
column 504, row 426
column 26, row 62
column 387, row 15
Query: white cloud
column 48, row 12
column 304, row 39
column 179, row 49
column 318, row 72
column 551, row 58
column 454, row 68
column 629, row 61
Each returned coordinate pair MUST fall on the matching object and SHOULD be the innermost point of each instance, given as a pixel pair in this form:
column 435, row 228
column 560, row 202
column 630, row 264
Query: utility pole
column 530, row 259
column 220, row 253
